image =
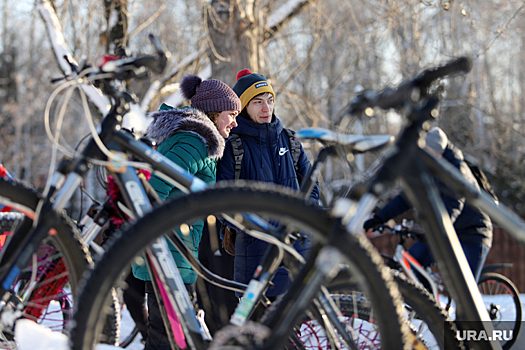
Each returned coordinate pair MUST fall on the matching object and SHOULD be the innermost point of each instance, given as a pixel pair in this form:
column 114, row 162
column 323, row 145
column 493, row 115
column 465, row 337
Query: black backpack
column 482, row 180
column 238, row 152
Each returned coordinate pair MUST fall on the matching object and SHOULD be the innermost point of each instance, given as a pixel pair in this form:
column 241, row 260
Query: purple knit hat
column 209, row 95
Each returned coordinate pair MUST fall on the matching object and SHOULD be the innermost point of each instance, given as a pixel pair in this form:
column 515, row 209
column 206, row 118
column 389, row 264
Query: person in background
column 192, row 137
column 473, row 226
column 268, row 158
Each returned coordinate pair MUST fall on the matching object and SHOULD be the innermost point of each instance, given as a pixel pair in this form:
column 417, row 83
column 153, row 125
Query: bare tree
column 317, row 53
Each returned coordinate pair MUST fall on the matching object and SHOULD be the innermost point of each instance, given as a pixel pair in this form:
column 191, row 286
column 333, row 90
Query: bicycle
column 174, row 331
column 241, row 200
column 416, row 169
column 500, row 295
column 75, row 168
column 45, row 208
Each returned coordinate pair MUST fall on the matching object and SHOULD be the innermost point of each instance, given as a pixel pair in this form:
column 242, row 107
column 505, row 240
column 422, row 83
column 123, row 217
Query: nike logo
column 282, row 151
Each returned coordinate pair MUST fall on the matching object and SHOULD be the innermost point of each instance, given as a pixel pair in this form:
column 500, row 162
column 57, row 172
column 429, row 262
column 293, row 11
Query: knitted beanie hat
column 436, row 140
column 249, row 85
column 209, row 95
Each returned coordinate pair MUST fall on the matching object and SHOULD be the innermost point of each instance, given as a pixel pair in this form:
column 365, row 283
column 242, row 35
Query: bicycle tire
column 491, row 284
column 67, row 257
column 129, row 338
column 428, row 310
column 263, row 199
column 127, row 334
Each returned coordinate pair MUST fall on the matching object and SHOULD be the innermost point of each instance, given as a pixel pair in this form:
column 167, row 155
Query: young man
column 473, row 226
column 268, row 158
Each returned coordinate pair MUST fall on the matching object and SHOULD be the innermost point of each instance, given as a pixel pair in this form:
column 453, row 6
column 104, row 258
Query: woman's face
column 226, row 121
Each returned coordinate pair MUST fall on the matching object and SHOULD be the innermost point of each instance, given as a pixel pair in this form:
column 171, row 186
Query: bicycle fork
column 170, row 289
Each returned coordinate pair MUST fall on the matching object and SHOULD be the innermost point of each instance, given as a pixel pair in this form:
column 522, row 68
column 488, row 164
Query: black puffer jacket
column 267, row 158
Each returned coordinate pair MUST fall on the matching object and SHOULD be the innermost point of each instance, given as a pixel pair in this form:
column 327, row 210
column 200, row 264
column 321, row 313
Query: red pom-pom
column 242, row 73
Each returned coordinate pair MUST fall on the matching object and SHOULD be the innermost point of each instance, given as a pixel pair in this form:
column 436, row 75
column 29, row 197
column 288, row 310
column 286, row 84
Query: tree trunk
column 235, row 34
column 117, row 24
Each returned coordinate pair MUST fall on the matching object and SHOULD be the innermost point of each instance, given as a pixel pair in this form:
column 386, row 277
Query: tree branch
column 136, row 118
column 502, row 29
column 283, row 15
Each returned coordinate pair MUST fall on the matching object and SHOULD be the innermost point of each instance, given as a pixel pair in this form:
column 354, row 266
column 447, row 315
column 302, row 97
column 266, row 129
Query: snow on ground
column 32, row 336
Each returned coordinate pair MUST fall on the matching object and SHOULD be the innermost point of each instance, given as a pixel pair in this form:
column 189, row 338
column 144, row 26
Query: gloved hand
column 371, row 223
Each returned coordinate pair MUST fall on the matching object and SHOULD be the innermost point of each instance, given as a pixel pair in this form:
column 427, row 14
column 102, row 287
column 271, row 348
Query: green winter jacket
column 188, row 138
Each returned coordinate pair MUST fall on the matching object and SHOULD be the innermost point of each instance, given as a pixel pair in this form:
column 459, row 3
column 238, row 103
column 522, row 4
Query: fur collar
column 168, row 122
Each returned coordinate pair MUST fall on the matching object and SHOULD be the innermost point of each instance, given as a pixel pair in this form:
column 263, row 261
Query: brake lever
column 56, row 80
column 72, row 65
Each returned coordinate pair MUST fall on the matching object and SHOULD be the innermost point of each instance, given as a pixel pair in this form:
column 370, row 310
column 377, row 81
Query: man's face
column 260, row 108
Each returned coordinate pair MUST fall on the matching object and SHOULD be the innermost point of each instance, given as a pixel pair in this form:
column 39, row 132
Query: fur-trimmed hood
column 168, row 122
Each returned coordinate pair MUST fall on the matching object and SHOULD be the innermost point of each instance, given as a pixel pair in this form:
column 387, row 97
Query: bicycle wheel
column 431, row 322
column 502, row 299
column 310, row 333
column 43, row 291
column 427, row 320
column 280, row 205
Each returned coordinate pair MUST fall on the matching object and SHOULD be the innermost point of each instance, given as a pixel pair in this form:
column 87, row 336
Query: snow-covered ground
column 32, row 336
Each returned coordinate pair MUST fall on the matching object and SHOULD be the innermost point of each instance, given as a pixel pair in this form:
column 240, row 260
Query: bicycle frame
column 408, row 264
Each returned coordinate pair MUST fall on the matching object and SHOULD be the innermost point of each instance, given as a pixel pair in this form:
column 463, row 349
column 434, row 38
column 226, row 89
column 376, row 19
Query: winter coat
column 471, row 224
column 190, row 139
column 267, row 158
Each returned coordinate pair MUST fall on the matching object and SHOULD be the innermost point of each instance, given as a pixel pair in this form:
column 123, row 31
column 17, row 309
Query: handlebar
column 131, row 67
column 123, row 68
column 403, row 230
column 410, row 90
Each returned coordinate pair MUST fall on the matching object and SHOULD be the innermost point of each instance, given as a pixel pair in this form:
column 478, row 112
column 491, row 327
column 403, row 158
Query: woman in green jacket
column 192, row 137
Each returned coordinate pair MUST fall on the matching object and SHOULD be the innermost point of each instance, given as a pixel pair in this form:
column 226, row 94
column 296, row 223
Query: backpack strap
column 295, row 149
column 238, row 153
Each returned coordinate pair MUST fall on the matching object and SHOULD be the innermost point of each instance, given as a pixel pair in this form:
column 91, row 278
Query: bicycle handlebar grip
column 155, row 63
column 460, row 65
column 156, row 43
column 162, row 55
column 393, row 98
